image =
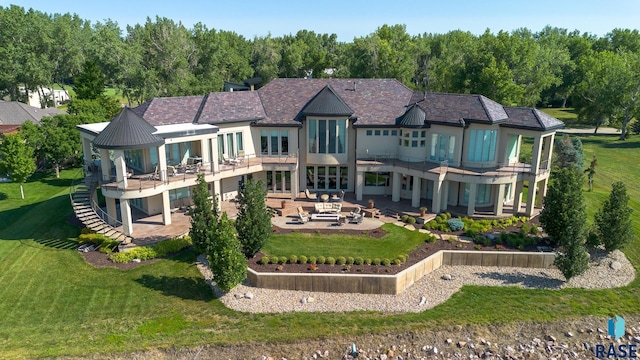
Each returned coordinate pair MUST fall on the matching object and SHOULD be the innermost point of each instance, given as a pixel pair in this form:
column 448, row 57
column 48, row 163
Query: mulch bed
column 101, row 260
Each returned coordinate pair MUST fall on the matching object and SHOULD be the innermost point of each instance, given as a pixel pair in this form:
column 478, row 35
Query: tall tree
column 89, row 84
column 56, row 139
column 613, row 220
column 204, row 216
column 16, row 159
column 254, row 217
column 568, row 153
column 228, row 265
column 564, row 219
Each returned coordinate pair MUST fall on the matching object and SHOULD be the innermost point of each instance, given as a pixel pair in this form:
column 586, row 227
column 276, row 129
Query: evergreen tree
column 89, row 85
column 568, row 153
column 564, row 218
column 204, row 216
column 16, row 160
column 254, row 218
column 228, row 265
column 613, row 220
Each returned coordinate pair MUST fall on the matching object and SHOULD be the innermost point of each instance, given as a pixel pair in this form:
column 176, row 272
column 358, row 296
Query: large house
column 363, row 136
column 13, row 114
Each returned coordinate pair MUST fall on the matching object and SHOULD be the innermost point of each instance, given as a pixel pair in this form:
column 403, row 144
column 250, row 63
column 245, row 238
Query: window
column 442, row 147
column 264, row 142
column 414, row 143
column 483, row 193
column 512, row 148
column 385, row 132
column 230, row 148
column 329, row 136
column 181, row 193
column 239, row 141
column 284, row 142
column 369, row 132
column 376, row 179
column 394, row 132
column 377, row 132
column 274, row 142
column 410, row 138
column 178, row 153
column 134, row 159
column 482, row 145
column 327, row 177
column 344, row 177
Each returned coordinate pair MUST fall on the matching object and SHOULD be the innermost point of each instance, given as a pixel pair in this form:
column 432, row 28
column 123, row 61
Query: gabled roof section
column 413, row 118
column 127, row 130
column 16, row 113
column 326, row 103
column 228, row 107
column 456, row 109
column 375, row 102
column 531, row 119
column 170, row 110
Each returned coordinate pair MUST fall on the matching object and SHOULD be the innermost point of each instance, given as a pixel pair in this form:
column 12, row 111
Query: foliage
column 228, row 265
column 312, row 260
column 341, row 260
column 411, row 220
column 302, row 259
column 330, row 260
column 591, row 171
column 264, row 260
column 613, row 220
column 321, row 260
column 172, row 246
column 568, row 153
column 350, row 260
column 386, row 262
column 16, row 159
column 293, row 259
column 141, row 253
column 254, row 217
column 455, row 224
column 564, row 219
column 358, row 261
column 204, row 217
column 89, row 84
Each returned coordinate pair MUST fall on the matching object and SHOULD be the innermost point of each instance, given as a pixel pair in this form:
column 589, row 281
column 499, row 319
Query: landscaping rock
column 447, row 277
column 615, row 265
column 238, row 296
column 249, row 295
column 423, row 300
column 311, row 299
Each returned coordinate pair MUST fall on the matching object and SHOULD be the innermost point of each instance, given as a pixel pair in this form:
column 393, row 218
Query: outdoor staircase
column 85, row 212
column 390, row 213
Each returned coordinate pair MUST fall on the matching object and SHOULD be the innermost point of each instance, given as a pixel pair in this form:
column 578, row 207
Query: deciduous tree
column 228, row 265
column 16, row 159
column 254, row 218
column 613, row 220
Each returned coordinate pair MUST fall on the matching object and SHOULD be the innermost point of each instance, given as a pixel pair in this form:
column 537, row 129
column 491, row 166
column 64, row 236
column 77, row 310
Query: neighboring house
column 13, row 114
column 41, row 94
column 366, row 136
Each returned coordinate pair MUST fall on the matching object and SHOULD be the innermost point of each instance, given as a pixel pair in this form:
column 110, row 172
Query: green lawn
column 397, row 241
column 567, row 115
column 53, row 304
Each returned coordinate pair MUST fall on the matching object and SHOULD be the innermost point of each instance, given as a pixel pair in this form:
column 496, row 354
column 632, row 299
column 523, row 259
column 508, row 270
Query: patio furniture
column 324, row 197
column 325, row 217
column 172, row 171
column 334, row 208
column 302, row 211
column 310, row 196
column 356, row 211
column 357, row 219
column 228, row 161
column 341, row 221
column 339, row 196
column 303, row 218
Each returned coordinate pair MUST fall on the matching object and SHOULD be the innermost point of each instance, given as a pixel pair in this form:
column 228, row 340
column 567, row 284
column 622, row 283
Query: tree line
column 553, row 67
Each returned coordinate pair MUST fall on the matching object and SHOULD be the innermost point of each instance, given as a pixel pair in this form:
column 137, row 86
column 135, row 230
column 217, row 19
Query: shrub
column 312, row 260
column 293, row 259
column 350, row 260
column 302, row 259
column 321, row 260
column 477, row 247
column 525, row 228
column 534, row 230
column 411, row 220
column 330, row 260
column 471, row 233
column 376, row 261
column 86, row 230
column 340, row 260
column 368, row 261
column 397, row 261
column 431, row 239
column 455, row 224
column 282, row 260
column 142, row 253
column 358, row 261
column 264, row 260
column 172, row 246
column 402, row 257
column 404, row 218
column 386, row 262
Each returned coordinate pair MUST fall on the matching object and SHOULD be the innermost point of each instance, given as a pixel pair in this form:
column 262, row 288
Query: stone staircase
column 80, row 196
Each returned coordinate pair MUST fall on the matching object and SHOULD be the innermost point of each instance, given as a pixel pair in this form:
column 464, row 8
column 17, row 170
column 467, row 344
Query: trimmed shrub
column 282, row 260
column 358, row 261
column 455, row 224
column 172, row 246
column 376, row 261
column 397, row 261
column 321, row 260
column 404, row 218
column 386, row 262
column 431, row 239
column 312, row 260
column 293, row 259
column 534, row 230
column 302, row 259
column 350, row 260
column 330, row 261
column 142, row 253
column 340, row 260
column 411, row 220
column 264, row 260
column 368, row 261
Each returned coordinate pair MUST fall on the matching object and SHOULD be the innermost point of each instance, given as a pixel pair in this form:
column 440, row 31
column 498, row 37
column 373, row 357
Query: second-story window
column 274, row 142
column 327, row 136
column 482, row 145
column 442, row 147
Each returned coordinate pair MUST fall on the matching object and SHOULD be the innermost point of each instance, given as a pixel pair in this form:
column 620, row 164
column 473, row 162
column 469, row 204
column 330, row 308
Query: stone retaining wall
column 395, row 284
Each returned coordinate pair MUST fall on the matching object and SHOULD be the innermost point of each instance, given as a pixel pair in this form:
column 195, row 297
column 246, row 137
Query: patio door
column 279, row 181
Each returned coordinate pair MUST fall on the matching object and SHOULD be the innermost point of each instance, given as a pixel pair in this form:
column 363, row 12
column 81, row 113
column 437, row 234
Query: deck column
column 359, row 185
column 217, row 188
column 445, row 196
column 105, row 165
column 166, row 208
column 517, row 197
column 395, row 187
column 215, row 166
column 531, row 196
column 86, row 152
column 294, row 184
column 125, row 213
column 111, row 210
column 162, row 162
column 471, row 207
column 121, row 169
column 415, row 194
column 499, row 201
column 437, row 196
column 536, row 154
column 542, row 192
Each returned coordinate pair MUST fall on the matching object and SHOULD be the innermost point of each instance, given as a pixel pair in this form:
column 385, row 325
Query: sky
column 356, row 18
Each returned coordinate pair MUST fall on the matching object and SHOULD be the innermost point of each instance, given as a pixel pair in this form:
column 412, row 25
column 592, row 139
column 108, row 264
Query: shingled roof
column 170, row 110
column 373, row 101
column 326, row 103
column 457, row 109
column 532, row 119
column 413, row 118
column 127, row 130
column 16, row 113
column 227, row 107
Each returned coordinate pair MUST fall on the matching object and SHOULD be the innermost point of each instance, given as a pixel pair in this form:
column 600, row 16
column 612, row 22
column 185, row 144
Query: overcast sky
column 349, row 19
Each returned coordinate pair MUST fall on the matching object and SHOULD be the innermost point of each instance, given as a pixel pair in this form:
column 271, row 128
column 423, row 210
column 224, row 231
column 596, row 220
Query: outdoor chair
column 310, row 196
column 302, row 211
column 338, row 196
column 303, row 218
column 356, row 212
column 357, row 219
column 172, row 171
column 228, row 161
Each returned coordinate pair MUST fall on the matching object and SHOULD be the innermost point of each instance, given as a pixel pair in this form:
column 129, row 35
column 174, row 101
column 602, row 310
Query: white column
column 359, row 185
column 166, row 208
column 415, row 194
column 215, row 167
column 531, row 196
column 395, row 187
column 125, row 213
column 162, row 162
column 437, row 196
column 204, row 151
column 217, row 188
column 517, row 197
column 295, row 190
column 471, row 207
column 536, row 154
column 111, row 210
column 499, row 200
column 121, row 169
column 86, row 151
column 445, row 196
column 105, row 165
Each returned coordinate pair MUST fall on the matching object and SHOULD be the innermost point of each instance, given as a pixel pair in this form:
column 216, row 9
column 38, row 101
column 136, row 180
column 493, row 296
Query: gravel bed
column 605, row 271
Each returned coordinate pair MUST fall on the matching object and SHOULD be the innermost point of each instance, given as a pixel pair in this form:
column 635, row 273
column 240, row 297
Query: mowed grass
column 397, row 241
column 54, row 304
